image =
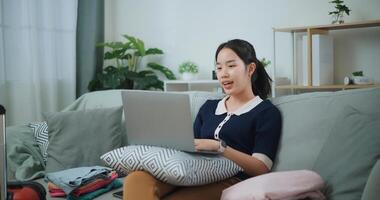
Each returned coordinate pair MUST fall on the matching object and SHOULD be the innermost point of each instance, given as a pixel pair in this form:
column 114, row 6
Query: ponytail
column 260, row 80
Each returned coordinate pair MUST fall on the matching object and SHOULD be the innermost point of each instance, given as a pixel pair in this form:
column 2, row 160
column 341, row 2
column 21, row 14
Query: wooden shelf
column 310, row 31
column 326, row 87
column 191, row 81
column 191, row 85
column 363, row 24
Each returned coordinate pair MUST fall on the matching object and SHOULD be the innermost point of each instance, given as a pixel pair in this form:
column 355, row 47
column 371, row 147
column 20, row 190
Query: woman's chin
column 228, row 91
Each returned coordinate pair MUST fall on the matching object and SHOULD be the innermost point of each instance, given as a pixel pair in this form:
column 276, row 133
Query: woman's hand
column 206, row 145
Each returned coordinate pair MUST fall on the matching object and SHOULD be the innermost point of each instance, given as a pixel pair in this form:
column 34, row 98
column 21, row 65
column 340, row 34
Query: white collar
column 221, row 108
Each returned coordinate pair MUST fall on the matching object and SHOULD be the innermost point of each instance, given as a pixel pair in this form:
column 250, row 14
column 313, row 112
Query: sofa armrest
column 371, row 190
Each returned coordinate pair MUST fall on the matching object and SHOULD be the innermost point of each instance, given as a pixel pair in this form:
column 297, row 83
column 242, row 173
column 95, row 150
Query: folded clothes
column 57, row 193
column 113, row 185
column 71, row 179
column 89, row 187
column 94, row 185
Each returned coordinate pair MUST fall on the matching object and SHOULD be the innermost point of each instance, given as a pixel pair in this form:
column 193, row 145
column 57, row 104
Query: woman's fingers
column 206, row 144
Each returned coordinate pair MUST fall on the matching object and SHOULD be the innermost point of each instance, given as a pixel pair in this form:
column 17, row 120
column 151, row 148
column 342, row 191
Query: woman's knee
column 139, row 177
column 142, row 185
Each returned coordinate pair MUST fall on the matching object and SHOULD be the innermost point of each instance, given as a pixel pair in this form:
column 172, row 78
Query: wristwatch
column 222, row 146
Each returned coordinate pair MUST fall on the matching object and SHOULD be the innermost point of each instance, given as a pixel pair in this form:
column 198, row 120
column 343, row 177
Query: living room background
column 191, row 30
column 39, row 54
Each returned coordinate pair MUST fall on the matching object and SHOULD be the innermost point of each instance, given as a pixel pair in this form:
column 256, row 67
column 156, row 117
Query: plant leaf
column 146, row 73
column 136, row 44
column 153, row 51
column 112, row 45
column 167, row 72
column 357, row 73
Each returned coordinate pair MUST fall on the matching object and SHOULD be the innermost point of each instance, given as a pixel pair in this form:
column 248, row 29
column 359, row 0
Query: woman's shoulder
column 212, row 101
column 268, row 107
column 210, row 104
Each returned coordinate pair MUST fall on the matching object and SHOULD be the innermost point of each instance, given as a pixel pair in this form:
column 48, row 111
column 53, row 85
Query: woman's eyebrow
column 227, row 62
column 230, row 61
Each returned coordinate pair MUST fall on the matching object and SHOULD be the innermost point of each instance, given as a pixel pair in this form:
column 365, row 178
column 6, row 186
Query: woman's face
column 232, row 73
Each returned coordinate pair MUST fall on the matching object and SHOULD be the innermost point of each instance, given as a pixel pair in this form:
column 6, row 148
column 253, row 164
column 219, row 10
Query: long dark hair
column 260, row 80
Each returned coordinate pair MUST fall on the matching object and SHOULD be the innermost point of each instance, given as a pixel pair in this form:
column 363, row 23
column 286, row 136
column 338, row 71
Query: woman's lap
column 142, row 185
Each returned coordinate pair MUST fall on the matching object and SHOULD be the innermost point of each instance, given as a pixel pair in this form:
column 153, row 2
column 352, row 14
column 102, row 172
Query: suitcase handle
column 2, row 110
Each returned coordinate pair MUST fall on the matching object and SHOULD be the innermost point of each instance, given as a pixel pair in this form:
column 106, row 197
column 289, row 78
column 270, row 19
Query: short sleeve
column 268, row 132
column 198, row 121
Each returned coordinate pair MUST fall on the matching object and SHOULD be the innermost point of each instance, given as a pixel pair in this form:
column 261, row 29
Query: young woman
column 243, row 126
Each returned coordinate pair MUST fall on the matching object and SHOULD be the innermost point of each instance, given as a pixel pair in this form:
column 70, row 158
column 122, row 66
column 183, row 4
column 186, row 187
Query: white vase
column 361, row 80
column 186, row 76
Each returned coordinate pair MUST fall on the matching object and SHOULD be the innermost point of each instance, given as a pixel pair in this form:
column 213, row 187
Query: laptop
column 159, row 119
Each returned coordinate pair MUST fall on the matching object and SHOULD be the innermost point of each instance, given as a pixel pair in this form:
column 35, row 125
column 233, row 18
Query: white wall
column 192, row 30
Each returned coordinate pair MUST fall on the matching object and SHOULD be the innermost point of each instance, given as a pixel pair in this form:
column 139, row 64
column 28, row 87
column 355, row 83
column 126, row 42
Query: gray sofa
column 335, row 134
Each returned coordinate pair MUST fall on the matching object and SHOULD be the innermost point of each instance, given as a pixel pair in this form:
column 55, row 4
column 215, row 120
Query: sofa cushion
column 171, row 166
column 79, row 138
column 349, row 153
column 40, row 130
column 306, row 127
column 372, row 186
column 308, row 119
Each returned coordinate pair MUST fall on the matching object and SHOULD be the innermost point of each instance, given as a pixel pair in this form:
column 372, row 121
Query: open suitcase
column 15, row 190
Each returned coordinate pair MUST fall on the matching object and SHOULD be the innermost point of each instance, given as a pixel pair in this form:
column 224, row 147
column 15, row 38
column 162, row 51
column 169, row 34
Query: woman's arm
column 251, row 165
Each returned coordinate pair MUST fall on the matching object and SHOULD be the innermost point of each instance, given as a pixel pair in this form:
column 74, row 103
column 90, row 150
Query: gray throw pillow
column 171, row 166
column 349, row 153
column 79, row 138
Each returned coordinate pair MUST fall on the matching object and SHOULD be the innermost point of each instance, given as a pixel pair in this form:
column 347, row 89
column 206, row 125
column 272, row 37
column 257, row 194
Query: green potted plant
column 265, row 62
column 358, row 78
column 339, row 11
column 126, row 72
column 188, row 70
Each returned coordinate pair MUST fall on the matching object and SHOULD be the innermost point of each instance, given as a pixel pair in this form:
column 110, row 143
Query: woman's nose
column 223, row 73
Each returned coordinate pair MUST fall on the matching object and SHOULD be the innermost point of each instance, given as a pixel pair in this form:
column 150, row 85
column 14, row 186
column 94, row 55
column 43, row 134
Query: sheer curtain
column 37, row 57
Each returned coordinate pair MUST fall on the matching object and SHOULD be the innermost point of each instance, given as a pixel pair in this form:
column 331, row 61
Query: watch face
column 223, row 143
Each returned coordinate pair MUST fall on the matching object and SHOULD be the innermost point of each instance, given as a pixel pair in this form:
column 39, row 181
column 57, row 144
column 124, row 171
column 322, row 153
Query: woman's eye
column 218, row 68
column 231, row 66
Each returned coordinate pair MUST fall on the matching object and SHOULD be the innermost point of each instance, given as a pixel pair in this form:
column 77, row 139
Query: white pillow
column 171, row 166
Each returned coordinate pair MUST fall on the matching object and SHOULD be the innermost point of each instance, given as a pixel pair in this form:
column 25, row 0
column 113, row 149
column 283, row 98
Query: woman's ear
column 251, row 69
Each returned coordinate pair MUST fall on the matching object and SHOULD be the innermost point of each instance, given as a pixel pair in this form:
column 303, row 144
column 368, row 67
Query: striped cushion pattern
column 125, row 159
column 170, row 165
column 40, row 130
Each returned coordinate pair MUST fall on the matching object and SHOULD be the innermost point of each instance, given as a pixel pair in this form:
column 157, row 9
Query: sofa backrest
column 112, row 98
column 333, row 133
column 309, row 118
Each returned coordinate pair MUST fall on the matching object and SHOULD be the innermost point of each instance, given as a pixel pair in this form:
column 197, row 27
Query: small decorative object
column 338, row 14
column 214, row 77
column 359, row 79
column 265, row 62
column 188, row 70
column 347, row 80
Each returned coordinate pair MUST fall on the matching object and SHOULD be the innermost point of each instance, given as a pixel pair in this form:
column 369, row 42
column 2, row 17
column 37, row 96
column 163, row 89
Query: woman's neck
column 234, row 102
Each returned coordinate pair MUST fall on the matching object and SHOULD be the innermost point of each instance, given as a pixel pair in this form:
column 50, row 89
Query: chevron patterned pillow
column 170, row 165
column 40, row 130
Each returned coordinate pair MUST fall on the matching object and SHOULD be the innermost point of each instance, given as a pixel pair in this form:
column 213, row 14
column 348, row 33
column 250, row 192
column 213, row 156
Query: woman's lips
column 227, row 85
